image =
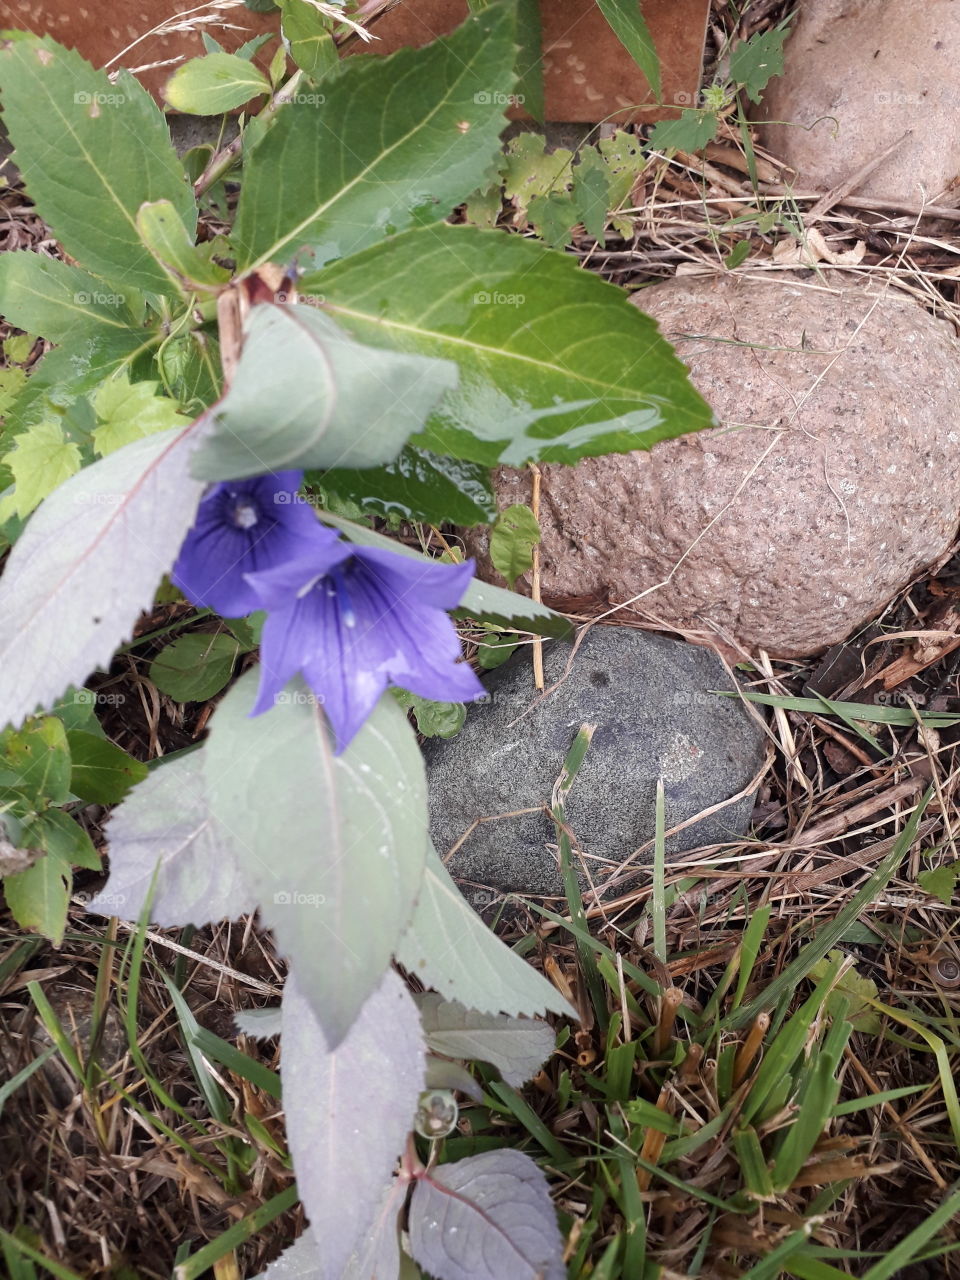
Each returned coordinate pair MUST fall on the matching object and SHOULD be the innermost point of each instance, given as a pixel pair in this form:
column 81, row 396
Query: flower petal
column 245, row 527
column 434, row 583
column 354, row 620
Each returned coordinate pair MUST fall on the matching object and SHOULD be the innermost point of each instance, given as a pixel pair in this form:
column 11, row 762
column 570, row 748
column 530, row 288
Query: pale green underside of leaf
column 396, row 140
column 354, row 837
column 163, row 840
column 517, row 1047
column 348, row 1111
column 482, row 601
column 555, row 364
column 91, row 152
column 86, row 565
column 450, row 949
column 306, row 394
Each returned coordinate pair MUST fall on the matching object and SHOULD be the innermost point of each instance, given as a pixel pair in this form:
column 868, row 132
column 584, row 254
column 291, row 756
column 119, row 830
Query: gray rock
column 650, row 698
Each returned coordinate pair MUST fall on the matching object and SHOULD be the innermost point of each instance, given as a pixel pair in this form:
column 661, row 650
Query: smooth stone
column 862, row 76
column 650, row 698
column 833, row 479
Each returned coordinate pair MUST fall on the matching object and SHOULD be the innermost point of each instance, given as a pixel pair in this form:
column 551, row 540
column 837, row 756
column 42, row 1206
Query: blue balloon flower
column 248, row 526
column 374, row 619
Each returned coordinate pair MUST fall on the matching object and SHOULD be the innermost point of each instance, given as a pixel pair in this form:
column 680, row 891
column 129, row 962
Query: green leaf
column 306, row 394
column 17, row 348
column 68, row 373
column 354, row 837
column 624, row 158
column 540, row 343
column 102, row 772
column 530, row 59
column 278, row 66
column 60, row 302
column 553, row 217
column 248, row 630
column 756, row 61
column 494, row 650
column 191, row 368
column 41, row 460
column 36, row 761
column 450, row 949
column 941, row 881
column 195, row 667
column 739, row 253
column 530, row 170
column 851, row 996
column 169, row 241
column 129, row 411
column 691, row 131
column 481, row 601
column 64, row 838
column 626, row 19
column 390, row 142
column 434, row 719
column 512, row 539
column 91, row 152
column 310, row 38
column 214, row 83
column 11, row 384
column 591, row 192
column 419, row 485
column 168, row 858
column 76, row 710
column 38, row 897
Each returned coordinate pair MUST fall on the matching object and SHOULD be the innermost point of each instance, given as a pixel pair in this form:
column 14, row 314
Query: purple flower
column 248, row 526
column 375, row 619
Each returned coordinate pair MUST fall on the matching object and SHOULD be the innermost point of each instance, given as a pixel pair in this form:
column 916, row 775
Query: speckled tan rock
column 833, row 479
column 858, row 75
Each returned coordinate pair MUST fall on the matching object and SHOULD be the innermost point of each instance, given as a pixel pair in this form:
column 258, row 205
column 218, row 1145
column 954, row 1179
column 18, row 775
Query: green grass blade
column 521, row 1110
column 875, row 1099
column 10, row 1087
column 229, row 1056
column 34, row 1255
column 235, row 1236
column 911, row 1245
column 831, row 933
